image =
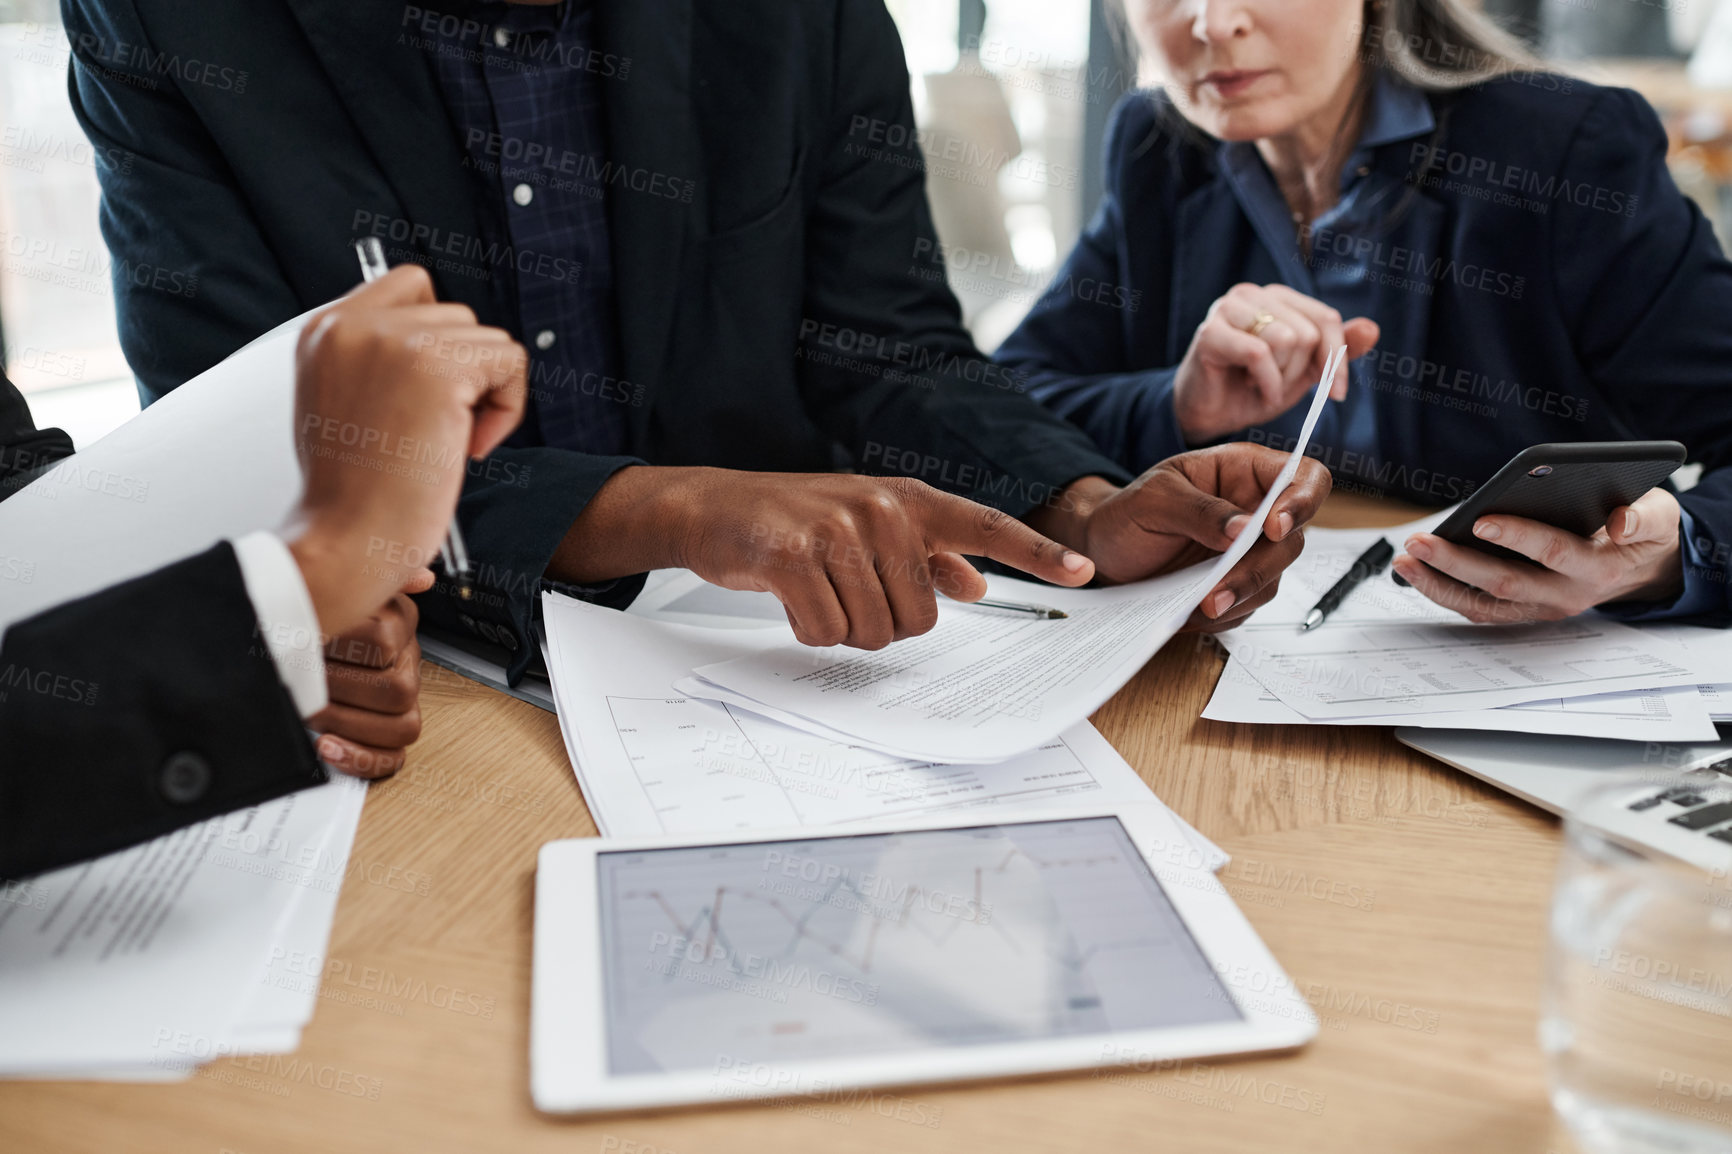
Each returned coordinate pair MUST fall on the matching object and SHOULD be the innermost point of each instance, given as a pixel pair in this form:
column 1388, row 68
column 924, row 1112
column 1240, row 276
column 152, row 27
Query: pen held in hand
column 1370, row 564
column 453, row 552
column 1019, row 607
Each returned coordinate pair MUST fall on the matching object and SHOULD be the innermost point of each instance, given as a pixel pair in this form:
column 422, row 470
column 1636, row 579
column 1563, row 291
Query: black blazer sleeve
column 196, row 276
column 138, row 710
column 25, row 450
column 886, row 367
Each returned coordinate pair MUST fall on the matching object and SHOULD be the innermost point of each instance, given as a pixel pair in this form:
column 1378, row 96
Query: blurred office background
column 1011, row 96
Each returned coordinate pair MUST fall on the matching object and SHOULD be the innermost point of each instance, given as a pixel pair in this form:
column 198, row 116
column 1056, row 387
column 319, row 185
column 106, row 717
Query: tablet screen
column 782, row 951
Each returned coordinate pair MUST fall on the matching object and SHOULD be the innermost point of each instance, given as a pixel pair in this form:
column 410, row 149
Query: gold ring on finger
column 1263, row 321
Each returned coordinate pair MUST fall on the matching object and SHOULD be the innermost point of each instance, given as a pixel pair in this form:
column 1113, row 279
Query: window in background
column 1039, row 51
column 56, row 298
column 929, row 37
column 1002, row 111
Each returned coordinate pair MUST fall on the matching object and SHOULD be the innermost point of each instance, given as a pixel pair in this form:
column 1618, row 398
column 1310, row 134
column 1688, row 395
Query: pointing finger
column 956, row 525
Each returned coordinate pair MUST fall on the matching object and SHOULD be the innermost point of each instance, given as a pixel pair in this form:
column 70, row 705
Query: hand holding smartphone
column 1572, row 486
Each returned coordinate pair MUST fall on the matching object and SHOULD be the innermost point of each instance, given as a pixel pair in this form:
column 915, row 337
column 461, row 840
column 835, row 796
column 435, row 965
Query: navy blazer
column 767, row 211
column 1556, row 286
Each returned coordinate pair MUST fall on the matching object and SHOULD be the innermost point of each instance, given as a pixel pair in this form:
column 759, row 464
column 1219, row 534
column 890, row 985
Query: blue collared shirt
column 529, row 109
column 1344, row 271
column 1340, row 270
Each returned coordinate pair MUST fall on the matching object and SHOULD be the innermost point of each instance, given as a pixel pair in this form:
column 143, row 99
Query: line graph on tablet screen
column 846, row 945
column 891, row 907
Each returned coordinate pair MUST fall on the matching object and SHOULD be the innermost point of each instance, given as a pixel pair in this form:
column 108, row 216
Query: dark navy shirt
column 528, row 105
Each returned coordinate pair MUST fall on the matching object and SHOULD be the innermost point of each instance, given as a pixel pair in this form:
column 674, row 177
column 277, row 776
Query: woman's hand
column 1637, row 556
column 1255, row 355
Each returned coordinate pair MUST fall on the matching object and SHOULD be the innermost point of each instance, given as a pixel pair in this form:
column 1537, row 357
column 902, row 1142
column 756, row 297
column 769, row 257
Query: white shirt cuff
column 287, row 620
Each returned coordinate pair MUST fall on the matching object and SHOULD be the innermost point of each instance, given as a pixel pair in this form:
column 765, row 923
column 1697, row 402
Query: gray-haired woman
column 1500, row 247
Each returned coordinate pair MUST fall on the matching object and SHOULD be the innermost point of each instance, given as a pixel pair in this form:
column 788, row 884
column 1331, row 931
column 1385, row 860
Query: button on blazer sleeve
column 137, row 710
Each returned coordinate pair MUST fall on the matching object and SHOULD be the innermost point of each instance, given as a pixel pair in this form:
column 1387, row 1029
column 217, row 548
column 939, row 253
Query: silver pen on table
column 453, row 553
column 1019, row 607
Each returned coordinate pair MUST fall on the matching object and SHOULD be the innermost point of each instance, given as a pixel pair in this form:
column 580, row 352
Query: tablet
column 674, row 971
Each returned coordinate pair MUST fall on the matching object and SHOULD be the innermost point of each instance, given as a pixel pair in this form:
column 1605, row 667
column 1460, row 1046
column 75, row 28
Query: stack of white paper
column 1388, row 656
column 144, row 963
column 654, row 760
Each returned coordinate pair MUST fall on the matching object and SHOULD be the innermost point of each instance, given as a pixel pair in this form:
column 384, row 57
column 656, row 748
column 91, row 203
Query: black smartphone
column 1574, row 486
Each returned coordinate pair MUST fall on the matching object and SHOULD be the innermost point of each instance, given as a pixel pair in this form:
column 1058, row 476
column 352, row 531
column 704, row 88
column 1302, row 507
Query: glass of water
column 1637, row 1021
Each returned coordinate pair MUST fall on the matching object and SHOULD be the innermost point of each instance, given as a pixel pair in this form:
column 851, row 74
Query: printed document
column 150, row 958
column 652, row 760
column 1390, row 656
column 1684, row 714
column 984, row 685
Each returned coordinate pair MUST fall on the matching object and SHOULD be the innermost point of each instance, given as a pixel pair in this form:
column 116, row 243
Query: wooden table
column 1407, row 900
